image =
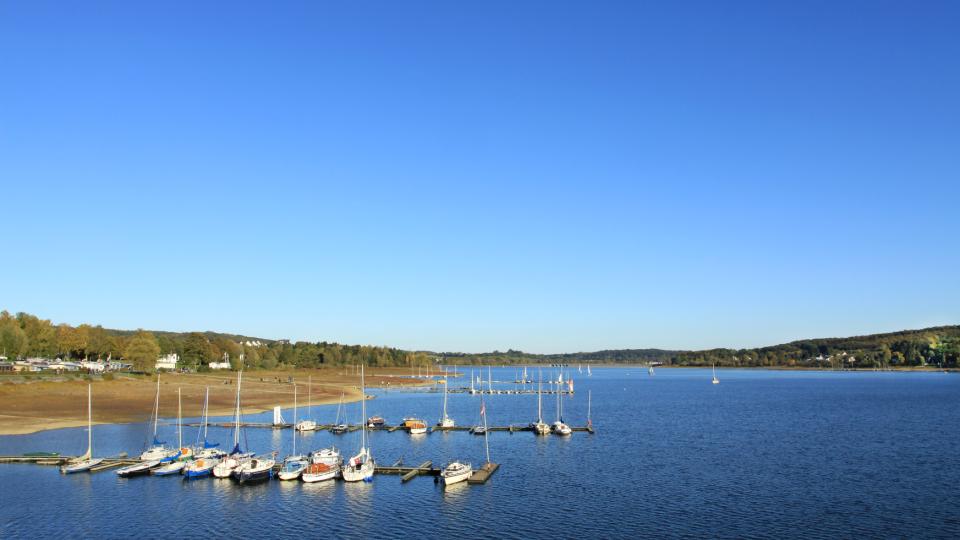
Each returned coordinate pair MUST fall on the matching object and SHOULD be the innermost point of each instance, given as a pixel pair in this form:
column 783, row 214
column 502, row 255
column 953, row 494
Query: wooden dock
column 387, row 428
column 481, row 475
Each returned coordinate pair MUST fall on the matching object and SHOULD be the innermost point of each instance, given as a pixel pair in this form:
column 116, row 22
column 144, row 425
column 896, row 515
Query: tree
column 142, row 351
column 13, row 340
column 197, row 351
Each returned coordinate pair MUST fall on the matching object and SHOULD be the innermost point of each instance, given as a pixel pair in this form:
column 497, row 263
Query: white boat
column 137, row 469
column 455, row 472
column 324, row 465
column 650, row 371
column 200, row 467
column 86, row 461
column 307, row 425
column 361, row 466
column 237, row 457
column 415, row 426
column 173, row 467
column 540, row 427
column 715, row 379
column 158, row 450
column 589, row 373
column 445, row 420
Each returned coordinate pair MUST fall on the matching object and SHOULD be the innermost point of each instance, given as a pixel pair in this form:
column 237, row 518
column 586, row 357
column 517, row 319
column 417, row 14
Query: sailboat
column 650, row 371
column 256, row 469
column 472, row 389
column 294, row 464
column 236, row 457
column 589, row 373
column 361, row 466
column 559, row 427
column 540, row 427
column 86, row 461
column 207, row 455
column 308, row 424
column 445, row 421
column 158, row 451
column 489, row 380
column 715, row 379
column 339, row 427
column 175, row 466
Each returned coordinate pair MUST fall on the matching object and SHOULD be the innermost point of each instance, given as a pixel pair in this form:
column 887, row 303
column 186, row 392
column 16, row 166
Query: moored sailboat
column 715, row 379
column 540, row 427
column 236, row 457
column 324, row 465
column 309, row 424
column 179, row 460
column 158, row 450
column 361, row 466
column 86, row 461
column 294, row 464
column 445, row 420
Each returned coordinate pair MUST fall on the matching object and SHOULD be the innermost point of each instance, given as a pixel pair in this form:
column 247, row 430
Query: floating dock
column 481, row 475
column 388, row 428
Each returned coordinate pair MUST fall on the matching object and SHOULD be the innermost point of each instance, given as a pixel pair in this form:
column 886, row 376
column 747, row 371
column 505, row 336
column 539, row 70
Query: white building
column 168, row 361
column 219, row 365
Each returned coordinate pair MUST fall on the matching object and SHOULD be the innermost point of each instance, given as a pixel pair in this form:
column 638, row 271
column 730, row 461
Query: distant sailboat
column 715, row 379
column 445, row 421
column 340, row 427
column 86, row 461
column 650, row 371
column 589, row 373
column 309, row 424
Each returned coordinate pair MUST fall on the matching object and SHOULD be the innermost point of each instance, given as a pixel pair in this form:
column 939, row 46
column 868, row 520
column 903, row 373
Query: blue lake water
column 763, row 454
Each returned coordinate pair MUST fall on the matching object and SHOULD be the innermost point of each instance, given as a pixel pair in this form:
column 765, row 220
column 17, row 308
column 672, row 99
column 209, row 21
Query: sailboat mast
column 294, row 419
column 486, row 441
column 206, row 417
column 445, row 385
column 309, row 397
column 236, row 431
column 363, row 412
column 89, row 421
column 179, row 420
column 539, row 400
column 489, row 379
column 156, row 408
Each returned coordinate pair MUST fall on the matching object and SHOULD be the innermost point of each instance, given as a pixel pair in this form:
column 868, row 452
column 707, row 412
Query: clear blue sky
column 546, row 176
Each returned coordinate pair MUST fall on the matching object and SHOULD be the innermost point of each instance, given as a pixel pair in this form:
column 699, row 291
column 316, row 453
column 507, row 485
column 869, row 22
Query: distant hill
column 934, row 345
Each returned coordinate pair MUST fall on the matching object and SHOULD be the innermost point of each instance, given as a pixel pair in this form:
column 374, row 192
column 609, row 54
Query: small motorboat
column 376, row 421
column 340, row 429
column 324, row 465
column 306, row 425
column 540, row 428
column 415, row 426
column 478, row 430
column 455, row 472
column 137, row 469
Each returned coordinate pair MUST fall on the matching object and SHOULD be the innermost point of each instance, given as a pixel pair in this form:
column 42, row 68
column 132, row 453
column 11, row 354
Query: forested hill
column 895, row 349
column 24, row 336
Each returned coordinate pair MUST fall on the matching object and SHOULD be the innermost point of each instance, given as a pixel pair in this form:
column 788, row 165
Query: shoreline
column 31, row 406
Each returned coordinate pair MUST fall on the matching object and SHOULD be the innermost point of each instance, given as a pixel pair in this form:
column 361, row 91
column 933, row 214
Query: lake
column 762, row 454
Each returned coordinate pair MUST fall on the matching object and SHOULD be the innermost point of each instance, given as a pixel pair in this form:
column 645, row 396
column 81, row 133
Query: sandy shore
column 36, row 405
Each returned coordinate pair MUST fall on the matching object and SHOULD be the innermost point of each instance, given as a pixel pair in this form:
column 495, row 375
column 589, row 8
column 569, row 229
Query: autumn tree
column 142, row 351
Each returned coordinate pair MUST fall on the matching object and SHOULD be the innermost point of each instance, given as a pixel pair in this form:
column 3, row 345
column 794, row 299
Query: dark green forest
column 26, row 336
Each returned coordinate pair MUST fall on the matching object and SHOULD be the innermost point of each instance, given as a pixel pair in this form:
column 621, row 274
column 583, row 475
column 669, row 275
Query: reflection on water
column 763, row 454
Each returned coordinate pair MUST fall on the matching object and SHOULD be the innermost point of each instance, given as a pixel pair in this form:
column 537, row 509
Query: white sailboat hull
column 357, row 474
column 81, row 466
column 307, row 425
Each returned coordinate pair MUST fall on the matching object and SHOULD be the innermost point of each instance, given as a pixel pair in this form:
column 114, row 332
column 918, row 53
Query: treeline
column 28, row 336
column 930, row 346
